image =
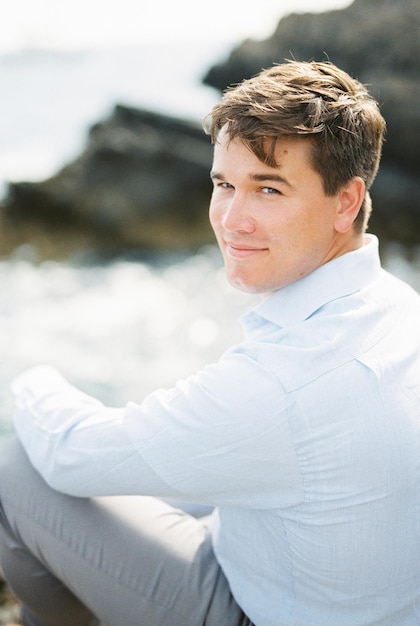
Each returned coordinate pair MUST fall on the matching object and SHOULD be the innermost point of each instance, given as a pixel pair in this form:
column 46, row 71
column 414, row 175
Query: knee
column 16, row 472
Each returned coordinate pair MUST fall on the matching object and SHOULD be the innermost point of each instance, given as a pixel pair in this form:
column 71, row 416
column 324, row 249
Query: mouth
column 240, row 251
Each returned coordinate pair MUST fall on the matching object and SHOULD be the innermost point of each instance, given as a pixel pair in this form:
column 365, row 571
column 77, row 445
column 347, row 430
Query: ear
column 351, row 196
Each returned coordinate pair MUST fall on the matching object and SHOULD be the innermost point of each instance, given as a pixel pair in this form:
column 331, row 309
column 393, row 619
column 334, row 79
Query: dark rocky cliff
column 142, row 182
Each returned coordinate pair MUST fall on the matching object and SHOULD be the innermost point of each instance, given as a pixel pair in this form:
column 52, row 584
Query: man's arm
column 219, row 437
column 78, row 445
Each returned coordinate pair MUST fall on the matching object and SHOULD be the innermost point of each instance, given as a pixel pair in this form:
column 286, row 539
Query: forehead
column 237, row 152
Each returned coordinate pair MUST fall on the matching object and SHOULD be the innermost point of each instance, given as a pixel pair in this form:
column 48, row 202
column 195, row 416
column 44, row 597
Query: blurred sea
column 118, row 329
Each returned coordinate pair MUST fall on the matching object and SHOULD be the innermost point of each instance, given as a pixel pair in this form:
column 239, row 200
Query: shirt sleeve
column 220, row 437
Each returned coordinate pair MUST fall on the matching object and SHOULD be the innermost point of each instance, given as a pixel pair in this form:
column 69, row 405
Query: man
column 305, row 437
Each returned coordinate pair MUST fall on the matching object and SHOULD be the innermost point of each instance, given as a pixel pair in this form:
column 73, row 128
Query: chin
column 247, row 286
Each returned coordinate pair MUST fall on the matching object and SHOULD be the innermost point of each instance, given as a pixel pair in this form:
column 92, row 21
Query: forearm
column 77, row 444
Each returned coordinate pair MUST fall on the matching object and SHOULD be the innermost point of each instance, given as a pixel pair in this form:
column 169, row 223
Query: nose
column 237, row 216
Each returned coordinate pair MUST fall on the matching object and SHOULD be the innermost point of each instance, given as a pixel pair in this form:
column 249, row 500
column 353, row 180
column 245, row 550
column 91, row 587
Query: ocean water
column 119, row 329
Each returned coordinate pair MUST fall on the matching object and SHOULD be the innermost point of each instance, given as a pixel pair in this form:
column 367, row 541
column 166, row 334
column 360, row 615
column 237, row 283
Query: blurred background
column 65, row 65
column 108, row 268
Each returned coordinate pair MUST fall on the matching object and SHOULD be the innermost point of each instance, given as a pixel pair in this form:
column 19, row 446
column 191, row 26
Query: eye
column 270, row 191
column 225, row 185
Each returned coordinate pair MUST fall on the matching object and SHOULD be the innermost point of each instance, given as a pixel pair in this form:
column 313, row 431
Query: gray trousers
column 119, row 561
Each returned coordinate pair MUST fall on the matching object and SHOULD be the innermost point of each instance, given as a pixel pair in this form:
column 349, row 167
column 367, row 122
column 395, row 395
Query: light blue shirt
column 306, row 437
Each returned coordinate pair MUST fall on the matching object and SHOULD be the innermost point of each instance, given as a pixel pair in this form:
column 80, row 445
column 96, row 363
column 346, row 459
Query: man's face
column 273, row 225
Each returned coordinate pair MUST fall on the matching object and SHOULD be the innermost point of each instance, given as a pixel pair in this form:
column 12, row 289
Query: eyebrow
column 258, row 177
column 274, row 177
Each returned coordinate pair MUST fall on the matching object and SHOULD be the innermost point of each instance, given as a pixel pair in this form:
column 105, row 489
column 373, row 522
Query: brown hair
column 314, row 100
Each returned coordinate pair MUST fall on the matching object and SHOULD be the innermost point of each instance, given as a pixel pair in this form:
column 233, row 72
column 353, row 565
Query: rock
column 9, row 606
column 142, row 181
column 378, row 42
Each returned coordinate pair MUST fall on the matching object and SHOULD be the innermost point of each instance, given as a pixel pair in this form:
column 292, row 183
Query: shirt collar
column 340, row 277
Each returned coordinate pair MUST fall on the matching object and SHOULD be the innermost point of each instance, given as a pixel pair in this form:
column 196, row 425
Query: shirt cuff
column 38, row 379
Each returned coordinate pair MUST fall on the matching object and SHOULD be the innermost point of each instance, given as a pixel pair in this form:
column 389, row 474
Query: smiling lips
column 239, row 251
